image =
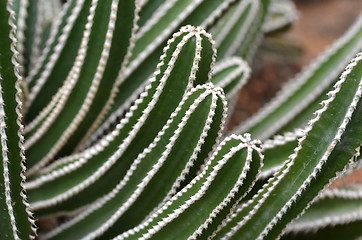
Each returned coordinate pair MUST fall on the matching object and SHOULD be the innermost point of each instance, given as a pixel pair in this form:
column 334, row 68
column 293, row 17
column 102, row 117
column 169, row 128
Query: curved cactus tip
column 211, row 86
column 190, row 28
column 200, row 32
column 247, row 138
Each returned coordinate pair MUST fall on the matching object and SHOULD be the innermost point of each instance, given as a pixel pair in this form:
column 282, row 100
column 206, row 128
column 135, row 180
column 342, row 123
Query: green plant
column 123, row 155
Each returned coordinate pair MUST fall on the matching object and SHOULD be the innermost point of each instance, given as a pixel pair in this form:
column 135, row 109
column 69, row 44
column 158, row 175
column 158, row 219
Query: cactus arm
column 84, row 93
column 182, row 53
column 48, row 9
column 16, row 218
column 145, row 184
column 112, row 78
column 151, row 85
column 230, row 74
column 145, row 56
column 206, row 13
column 310, row 168
column 249, row 184
column 230, row 85
column 70, row 82
column 202, row 195
column 171, row 14
column 132, row 81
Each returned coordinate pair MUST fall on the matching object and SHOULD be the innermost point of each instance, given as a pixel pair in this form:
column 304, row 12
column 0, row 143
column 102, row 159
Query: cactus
column 113, row 117
column 334, row 208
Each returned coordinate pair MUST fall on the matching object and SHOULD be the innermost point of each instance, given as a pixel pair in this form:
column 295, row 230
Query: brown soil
column 319, row 23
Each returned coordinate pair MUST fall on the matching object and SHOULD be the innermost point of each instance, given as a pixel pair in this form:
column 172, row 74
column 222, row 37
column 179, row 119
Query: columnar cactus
column 113, row 116
column 16, row 218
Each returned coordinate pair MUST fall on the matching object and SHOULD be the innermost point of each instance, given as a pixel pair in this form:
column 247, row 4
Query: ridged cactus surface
column 113, row 122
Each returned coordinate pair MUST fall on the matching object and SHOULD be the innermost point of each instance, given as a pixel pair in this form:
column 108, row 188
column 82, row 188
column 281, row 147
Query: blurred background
column 285, row 53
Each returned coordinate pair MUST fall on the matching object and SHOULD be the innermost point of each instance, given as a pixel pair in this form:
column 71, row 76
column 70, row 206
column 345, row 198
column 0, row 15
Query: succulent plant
column 113, row 119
